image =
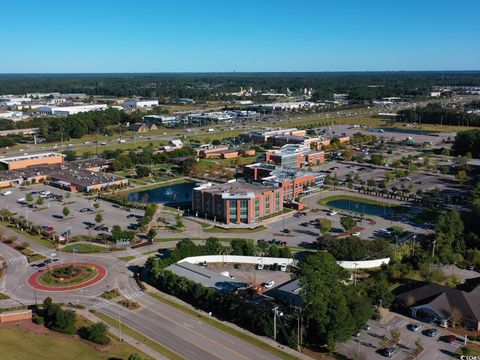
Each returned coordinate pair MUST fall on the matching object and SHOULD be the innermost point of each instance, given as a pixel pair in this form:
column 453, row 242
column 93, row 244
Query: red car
column 451, row 339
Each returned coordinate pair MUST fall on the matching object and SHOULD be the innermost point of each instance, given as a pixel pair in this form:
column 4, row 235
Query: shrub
column 96, row 333
column 37, row 319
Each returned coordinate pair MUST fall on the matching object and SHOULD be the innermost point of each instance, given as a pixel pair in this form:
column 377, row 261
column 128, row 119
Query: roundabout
column 67, row 277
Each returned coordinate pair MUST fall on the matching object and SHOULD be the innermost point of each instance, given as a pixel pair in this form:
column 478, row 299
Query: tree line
column 436, row 114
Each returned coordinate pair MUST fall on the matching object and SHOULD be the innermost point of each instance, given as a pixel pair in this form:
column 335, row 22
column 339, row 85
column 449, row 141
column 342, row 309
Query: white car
column 269, row 284
column 357, row 234
column 332, row 213
column 5, row 193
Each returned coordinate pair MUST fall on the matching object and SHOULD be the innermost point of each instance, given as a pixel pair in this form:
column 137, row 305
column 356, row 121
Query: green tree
column 449, row 236
column 66, row 211
column 142, row 171
column 324, row 295
column 70, row 155
column 40, row 201
column 212, row 246
column 461, row 176
column 98, row 218
column 96, row 204
column 348, row 223
column 134, row 356
column 152, row 233
column 97, row 333
column 29, row 197
column 325, row 226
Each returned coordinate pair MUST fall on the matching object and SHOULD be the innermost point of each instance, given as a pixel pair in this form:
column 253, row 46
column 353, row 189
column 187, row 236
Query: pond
column 362, row 207
column 175, row 194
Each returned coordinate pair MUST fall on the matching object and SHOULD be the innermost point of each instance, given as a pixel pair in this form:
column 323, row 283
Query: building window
column 257, row 207
column 277, row 202
column 243, row 209
column 267, row 204
column 233, row 210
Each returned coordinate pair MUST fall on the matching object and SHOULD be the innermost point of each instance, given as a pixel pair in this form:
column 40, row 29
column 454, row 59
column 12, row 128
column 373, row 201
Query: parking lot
column 367, row 344
column 247, row 273
column 80, row 221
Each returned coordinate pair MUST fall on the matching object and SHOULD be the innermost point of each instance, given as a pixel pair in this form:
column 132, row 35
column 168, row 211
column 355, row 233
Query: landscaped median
column 138, row 336
column 85, row 248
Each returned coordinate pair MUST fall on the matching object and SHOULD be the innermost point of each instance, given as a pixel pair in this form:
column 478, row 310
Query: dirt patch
column 27, row 325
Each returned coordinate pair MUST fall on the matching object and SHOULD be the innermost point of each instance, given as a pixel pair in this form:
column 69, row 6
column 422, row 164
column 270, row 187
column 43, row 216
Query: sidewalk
column 127, row 338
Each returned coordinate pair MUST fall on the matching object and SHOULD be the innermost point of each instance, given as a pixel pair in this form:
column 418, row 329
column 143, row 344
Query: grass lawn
column 223, row 239
column 324, row 201
column 141, row 338
column 234, row 231
column 228, row 329
column 85, row 248
column 127, row 258
column 22, row 344
column 35, row 238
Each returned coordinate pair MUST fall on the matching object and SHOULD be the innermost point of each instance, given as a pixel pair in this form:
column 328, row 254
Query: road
column 182, row 333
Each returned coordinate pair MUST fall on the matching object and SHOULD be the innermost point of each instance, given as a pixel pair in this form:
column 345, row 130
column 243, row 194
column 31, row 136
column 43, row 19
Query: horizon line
column 242, row 72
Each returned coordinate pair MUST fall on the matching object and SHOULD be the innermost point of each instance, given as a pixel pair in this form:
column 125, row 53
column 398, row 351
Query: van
column 283, row 267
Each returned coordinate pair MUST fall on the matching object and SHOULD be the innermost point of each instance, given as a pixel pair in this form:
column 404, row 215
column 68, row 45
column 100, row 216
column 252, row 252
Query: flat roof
column 28, row 157
column 206, row 277
column 234, row 187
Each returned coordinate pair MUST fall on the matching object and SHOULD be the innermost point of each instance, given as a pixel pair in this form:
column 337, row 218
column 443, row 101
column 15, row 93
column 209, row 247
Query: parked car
column 260, row 266
column 286, row 231
column 357, row 234
column 415, row 327
column 451, row 339
column 431, row 332
column 389, row 352
column 283, row 267
column 471, row 267
column 269, row 284
column 332, row 213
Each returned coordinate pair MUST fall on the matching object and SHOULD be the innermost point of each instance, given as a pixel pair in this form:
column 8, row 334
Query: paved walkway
column 127, row 338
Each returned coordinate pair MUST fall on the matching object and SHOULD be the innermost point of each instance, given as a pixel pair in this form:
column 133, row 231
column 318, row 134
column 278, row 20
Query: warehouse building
column 24, row 161
column 70, row 110
column 236, row 202
column 139, row 104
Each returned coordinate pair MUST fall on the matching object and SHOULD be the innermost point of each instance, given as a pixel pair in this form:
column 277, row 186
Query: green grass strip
column 228, row 329
column 138, row 336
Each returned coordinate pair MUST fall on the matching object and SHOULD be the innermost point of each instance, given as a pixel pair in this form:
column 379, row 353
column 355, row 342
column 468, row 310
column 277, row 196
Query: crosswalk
column 102, row 304
column 107, row 303
column 134, row 295
column 16, row 259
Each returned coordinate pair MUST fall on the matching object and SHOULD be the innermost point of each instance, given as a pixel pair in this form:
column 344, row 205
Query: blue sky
column 228, row 35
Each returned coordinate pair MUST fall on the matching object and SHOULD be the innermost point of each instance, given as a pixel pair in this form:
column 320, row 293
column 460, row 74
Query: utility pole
column 275, row 309
column 413, row 244
column 120, row 326
column 433, row 248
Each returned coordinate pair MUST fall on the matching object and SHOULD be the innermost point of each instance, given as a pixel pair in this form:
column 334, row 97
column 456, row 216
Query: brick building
column 294, row 182
column 25, row 161
column 295, row 156
column 236, row 202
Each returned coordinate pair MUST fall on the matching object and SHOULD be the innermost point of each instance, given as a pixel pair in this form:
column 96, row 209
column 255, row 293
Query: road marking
column 102, row 305
column 203, row 336
column 16, row 259
column 133, row 295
